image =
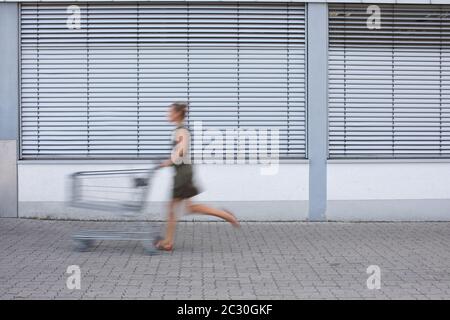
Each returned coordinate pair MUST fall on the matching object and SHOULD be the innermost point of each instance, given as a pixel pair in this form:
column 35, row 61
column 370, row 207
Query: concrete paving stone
column 279, row 260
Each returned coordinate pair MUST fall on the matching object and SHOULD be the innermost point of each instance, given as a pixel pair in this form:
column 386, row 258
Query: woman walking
column 183, row 185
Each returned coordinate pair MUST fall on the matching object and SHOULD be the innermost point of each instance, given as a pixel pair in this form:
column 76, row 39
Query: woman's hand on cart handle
column 165, row 163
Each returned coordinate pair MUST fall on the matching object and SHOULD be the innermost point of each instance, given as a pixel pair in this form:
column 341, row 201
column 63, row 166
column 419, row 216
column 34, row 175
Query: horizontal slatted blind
column 103, row 90
column 389, row 88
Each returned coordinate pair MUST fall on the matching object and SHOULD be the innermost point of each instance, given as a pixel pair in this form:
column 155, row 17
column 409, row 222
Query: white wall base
column 388, row 191
column 391, row 191
column 45, row 188
column 244, row 210
column 389, row 210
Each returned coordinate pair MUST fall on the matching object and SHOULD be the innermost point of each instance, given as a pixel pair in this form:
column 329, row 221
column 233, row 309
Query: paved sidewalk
column 290, row 260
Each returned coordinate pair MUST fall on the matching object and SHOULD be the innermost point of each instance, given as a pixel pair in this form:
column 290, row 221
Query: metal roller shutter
column 103, row 90
column 389, row 88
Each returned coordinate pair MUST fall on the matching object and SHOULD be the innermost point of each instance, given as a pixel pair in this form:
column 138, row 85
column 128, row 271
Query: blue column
column 317, row 95
column 9, row 107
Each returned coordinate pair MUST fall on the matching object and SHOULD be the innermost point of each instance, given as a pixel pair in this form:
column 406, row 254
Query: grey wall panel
column 8, row 178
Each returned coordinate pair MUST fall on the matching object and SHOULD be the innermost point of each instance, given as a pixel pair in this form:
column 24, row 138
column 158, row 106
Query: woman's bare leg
column 171, row 224
column 202, row 209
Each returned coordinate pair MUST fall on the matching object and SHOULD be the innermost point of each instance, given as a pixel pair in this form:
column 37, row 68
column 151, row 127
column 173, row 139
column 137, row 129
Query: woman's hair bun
column 180, row 106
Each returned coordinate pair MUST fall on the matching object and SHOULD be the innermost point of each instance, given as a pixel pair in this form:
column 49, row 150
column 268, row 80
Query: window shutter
column 389, row 88
column 102, row 91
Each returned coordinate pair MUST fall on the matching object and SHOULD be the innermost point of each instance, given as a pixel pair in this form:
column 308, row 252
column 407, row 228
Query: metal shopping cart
column 122, row 192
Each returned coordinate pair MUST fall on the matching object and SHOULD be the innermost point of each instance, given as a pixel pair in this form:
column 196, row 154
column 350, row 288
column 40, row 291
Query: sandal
column 161, row 246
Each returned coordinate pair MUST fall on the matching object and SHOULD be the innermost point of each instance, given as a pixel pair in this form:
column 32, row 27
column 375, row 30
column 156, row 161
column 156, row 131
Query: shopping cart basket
column 121, row 192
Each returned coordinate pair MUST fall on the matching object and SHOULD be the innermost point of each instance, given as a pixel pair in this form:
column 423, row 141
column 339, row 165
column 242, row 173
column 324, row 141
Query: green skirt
column 183, row 185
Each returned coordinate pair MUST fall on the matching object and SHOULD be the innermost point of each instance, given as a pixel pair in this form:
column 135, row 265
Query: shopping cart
column 121, row 192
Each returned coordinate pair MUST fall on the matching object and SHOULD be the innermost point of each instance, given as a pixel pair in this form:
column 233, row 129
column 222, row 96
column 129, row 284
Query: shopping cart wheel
column 83, row 244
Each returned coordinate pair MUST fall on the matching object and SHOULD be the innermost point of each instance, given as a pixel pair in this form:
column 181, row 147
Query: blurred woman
column 183, row 185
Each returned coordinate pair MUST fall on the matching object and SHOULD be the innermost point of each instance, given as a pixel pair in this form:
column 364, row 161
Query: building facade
column 355, row 94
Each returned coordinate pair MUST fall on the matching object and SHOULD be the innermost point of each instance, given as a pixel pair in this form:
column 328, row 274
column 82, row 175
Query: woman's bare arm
column 180, row 149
